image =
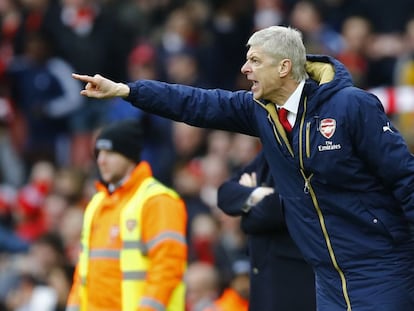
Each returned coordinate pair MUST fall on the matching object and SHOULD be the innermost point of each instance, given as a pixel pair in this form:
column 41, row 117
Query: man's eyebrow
column 251, row 56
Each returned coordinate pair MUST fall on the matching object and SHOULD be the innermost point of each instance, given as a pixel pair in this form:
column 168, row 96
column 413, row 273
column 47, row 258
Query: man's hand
column 258, row 194
column 250, row 180
column 100, row 87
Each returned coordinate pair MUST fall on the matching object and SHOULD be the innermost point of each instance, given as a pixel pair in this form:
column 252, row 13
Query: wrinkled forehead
column 255, row 51
column 259, row 53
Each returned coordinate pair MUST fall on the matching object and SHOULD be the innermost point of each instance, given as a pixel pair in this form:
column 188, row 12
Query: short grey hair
column 282, row 42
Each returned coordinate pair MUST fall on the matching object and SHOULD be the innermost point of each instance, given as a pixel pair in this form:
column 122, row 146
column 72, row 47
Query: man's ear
column 285, row 67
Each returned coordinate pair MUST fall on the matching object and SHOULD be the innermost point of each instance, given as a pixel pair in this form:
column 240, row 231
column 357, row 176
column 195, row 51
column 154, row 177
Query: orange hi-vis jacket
column 230, row 300
column 134, row 252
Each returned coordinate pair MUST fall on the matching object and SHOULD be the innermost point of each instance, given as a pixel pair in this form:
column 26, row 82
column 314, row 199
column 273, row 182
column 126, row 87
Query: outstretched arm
column 207, row 108
column 101, row 87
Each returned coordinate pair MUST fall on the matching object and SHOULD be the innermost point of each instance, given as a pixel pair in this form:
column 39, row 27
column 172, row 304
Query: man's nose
column 245, row 68
column 100, row 156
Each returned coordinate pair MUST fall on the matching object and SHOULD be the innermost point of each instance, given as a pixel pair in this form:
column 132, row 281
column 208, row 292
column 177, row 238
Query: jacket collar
column 137, row 176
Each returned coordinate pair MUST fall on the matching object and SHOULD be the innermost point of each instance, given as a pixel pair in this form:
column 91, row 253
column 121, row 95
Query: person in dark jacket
column 280, row 279
column 346, row 174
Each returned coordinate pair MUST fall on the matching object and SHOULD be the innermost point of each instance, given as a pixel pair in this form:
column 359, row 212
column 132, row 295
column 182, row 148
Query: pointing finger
column 84, row 78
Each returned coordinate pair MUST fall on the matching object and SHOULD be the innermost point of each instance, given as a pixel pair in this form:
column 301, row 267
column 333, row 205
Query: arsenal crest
column 131, row 224
column 327, row 127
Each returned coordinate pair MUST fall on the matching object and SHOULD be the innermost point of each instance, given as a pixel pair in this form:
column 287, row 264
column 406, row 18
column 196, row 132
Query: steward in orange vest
column 134, row 252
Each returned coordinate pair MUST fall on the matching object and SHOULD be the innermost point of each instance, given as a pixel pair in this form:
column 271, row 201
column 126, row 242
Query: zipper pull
column 306, row 187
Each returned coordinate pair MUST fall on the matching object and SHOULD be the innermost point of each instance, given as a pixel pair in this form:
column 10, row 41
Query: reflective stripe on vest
column 133, row 260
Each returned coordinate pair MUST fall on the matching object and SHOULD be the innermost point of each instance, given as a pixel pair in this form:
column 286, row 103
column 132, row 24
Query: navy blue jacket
column 280, row 279
column 347, row 179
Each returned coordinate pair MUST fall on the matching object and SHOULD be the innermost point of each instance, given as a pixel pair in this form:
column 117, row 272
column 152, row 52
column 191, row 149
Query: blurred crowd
column 47, row 170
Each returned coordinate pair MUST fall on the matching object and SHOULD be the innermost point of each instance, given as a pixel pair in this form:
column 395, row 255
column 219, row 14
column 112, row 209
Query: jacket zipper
column 307, row 189
column 308, row 139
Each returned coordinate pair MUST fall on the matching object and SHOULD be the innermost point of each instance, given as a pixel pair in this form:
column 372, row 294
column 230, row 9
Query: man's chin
column 105, row 178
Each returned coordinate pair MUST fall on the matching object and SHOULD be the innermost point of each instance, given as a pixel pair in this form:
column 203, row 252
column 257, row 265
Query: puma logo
column 387, row 128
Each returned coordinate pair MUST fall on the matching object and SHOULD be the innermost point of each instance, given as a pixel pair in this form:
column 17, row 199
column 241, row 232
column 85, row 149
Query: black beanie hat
column 124, row 137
